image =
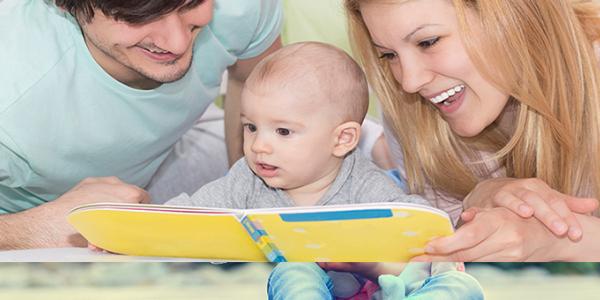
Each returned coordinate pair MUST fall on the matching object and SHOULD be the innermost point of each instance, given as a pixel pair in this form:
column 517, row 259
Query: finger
column 145, row 197
column 581, row 205
column 96, row 180
column 85, row 181
column 420, row 258
column 438, row 258
column 545, row 213
column 467, row 236
column 142, row 195
column 559, row 206
column 469, row 214
column 94, row 247
column 476, row 253
column 124, row 192
column 111, row 179
column 514, row 203
column 497, row 257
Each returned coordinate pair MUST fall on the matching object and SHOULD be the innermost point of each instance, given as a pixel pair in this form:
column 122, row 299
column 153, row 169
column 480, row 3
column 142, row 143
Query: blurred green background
column 160, row 280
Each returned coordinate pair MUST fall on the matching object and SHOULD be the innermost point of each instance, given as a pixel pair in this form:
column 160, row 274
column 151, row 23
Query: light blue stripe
column 337, row 215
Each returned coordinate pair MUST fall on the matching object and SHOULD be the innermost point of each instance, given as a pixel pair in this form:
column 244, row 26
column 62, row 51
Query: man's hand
column 46, row 226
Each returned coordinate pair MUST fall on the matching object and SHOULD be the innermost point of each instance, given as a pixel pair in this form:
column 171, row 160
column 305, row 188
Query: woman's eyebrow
column 408, row 36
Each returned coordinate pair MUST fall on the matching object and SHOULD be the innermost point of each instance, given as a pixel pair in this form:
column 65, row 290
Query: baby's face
column 288, row 137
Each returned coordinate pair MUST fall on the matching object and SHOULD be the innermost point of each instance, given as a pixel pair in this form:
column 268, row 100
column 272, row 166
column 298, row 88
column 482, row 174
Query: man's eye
column 250, row 127
column 428, row 43
column 283, row 131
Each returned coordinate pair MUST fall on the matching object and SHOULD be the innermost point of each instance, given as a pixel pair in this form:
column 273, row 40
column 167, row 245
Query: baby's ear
column 347, row 136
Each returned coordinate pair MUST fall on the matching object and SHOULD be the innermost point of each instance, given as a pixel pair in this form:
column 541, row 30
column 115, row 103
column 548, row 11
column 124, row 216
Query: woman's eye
column 250, row 127
column 283, row 131
column 428, row 43
column 387, row 56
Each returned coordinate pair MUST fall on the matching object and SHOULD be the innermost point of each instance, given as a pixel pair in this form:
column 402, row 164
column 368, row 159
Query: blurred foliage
column 35, row 275
column 555, row 268
column 48, row 275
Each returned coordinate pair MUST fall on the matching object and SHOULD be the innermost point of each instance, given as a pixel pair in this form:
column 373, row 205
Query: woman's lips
column 455, row 103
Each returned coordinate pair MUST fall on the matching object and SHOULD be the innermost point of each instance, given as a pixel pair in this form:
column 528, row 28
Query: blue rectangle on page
column 337, row 215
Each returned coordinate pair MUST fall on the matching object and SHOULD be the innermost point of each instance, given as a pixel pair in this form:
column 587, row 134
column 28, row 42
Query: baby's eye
column 250, row 127
column 428, row 42
column 387, row 55
column 283, row 131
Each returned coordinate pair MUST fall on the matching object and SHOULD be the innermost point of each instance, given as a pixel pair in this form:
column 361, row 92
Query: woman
column 496, row 103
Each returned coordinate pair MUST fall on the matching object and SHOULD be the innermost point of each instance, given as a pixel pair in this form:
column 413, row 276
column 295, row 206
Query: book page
column 363, row 234
column 160, row 231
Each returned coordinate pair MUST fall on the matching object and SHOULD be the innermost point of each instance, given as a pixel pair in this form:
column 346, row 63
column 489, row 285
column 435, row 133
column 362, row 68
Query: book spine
column 262, row 240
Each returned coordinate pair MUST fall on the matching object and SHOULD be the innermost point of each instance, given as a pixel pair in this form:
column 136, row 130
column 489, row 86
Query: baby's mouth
column 266, row 167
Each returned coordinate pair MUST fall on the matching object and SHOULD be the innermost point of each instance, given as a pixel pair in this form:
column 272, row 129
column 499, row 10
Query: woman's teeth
column 447, row 94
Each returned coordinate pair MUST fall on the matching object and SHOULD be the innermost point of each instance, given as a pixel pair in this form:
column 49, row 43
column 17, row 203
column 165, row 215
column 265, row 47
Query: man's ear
column 346, row 136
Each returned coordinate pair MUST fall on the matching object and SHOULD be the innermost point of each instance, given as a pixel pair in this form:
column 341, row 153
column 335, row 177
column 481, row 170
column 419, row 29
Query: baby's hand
column 533, row 197
column 371, row 271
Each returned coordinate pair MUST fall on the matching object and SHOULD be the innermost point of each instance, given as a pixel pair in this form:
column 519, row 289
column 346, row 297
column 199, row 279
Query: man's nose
column 173, row 34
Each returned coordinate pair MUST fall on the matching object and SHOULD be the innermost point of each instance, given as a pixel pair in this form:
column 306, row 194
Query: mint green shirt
column 63, row 118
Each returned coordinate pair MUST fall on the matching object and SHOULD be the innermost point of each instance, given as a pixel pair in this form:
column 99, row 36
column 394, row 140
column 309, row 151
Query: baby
column 302, row 109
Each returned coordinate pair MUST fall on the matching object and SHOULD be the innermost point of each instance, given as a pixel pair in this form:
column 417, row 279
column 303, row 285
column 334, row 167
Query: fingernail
column 525, row 209
column 428, row 249
column 559, row 226
column 574, row 232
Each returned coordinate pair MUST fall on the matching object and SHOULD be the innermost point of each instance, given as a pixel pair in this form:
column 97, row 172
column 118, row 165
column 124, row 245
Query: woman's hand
column 498, row 234
column 532, row 197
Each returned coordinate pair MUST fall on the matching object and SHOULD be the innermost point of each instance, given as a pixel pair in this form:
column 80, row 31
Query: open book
column 342, row 233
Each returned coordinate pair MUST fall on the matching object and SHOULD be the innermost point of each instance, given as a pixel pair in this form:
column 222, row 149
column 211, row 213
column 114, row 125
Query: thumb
column 582, row 205
column 469, row 214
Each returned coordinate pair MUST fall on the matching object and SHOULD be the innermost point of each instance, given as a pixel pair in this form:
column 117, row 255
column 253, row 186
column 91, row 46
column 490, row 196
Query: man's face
column 146, row 55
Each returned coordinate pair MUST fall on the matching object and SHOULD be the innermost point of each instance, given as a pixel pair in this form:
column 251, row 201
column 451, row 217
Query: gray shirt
column 358, row 181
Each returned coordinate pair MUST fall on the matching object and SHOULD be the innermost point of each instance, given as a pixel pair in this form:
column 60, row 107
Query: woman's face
column 421, row 41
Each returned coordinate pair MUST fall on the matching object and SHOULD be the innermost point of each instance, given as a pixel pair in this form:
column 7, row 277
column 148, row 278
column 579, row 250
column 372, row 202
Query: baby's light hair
column 316, row 67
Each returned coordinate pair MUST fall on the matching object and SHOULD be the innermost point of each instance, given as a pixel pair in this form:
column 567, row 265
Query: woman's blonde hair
column 541, row 53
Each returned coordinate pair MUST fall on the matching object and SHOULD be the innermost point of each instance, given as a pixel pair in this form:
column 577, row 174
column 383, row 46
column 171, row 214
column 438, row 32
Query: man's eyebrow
column 191, row 4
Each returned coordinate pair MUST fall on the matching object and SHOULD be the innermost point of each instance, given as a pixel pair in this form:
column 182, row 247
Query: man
column 97, row 88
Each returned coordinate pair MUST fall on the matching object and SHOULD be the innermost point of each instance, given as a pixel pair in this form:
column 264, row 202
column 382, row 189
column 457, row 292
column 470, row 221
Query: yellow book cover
column 364, row 232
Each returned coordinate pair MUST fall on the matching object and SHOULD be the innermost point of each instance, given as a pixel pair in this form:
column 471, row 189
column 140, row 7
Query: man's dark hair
column 130, row 11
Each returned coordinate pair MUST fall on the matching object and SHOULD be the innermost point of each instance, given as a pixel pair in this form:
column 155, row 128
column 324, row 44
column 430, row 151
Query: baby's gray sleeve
column 229, row 191
column 212, row 194
column 384, row 189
